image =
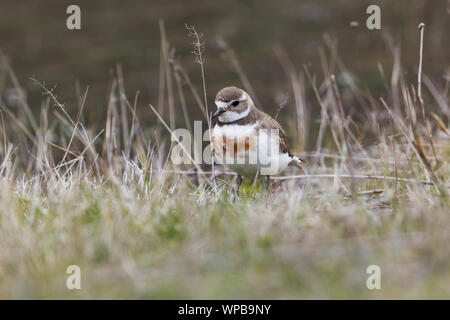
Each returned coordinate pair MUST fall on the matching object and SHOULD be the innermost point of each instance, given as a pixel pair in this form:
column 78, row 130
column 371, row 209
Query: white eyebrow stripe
column 221, row 104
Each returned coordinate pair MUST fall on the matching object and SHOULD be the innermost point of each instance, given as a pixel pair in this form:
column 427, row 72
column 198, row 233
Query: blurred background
column 258, row 40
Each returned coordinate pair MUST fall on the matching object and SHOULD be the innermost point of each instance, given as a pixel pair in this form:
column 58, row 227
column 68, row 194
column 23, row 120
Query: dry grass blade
column 440, row 123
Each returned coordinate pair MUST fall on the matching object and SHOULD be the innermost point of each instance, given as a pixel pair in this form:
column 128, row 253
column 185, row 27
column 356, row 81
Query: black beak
column 217, row 113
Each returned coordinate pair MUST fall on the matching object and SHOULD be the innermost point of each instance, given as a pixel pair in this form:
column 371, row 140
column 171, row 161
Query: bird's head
column 232, row 104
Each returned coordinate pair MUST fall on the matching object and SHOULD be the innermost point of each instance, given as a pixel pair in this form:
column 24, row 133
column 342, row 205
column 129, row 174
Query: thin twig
column 4, row 131
column 355, row 176
column 419, row 92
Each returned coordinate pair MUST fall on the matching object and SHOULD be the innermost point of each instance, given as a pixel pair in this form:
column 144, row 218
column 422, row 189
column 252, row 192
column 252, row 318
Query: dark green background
column 34, row 36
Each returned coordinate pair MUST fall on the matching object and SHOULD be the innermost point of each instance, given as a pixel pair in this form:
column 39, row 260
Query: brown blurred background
column 34, row 36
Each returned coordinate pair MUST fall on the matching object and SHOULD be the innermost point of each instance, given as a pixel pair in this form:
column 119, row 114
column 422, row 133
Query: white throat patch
column 231, row 116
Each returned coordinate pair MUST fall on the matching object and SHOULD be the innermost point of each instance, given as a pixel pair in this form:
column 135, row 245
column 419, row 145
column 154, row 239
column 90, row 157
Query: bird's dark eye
column 235, row 103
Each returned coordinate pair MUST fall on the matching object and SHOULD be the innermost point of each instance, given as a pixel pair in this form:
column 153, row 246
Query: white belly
column 247, row 150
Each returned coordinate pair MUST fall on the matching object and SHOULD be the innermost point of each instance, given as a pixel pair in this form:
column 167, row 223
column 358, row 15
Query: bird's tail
column 296, row 161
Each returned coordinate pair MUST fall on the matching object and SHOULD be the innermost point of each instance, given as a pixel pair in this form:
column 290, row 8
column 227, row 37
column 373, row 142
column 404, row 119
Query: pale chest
column 245, row 148
column 234, row 141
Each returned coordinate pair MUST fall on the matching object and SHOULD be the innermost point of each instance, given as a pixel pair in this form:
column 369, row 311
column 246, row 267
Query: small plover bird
column 247, row 140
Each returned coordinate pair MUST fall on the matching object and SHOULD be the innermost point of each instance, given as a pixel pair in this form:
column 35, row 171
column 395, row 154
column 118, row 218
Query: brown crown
column 229, row 94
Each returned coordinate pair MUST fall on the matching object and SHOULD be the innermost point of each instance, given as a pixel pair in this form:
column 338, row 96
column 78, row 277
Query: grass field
column 107, row 198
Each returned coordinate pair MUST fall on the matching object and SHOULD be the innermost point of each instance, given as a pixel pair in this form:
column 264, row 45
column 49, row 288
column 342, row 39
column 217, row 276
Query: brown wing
column 266, row 122
column 269, row 123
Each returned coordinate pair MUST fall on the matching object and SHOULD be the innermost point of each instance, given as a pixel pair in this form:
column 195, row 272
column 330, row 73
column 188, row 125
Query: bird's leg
column 237, row 185
column 267, row 183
